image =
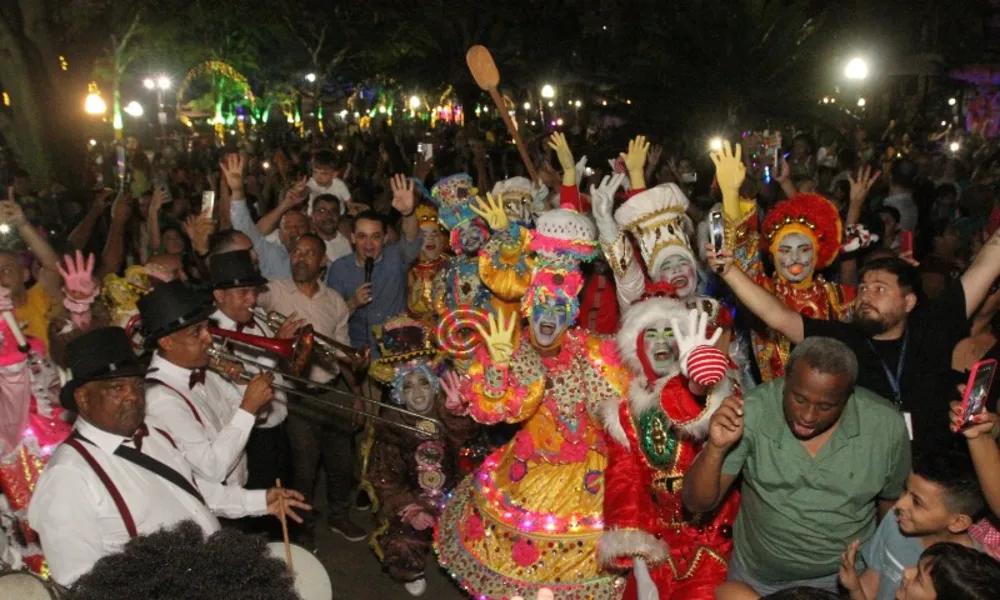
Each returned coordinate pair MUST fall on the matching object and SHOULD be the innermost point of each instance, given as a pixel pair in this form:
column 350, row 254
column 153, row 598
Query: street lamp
column 414, row 102
column 715, row 144
column 856, row 69
column 163, row 82
column 952, row 102
column 134, row 109
column 311, row 77
column 548, row 91
column 861, row 102
column 527, row 106
column 148, row 83
column 954, row 146
column 94, row 104
column 578, row 104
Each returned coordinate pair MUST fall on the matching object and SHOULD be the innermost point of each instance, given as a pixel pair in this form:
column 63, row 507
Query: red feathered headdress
column 811, row 215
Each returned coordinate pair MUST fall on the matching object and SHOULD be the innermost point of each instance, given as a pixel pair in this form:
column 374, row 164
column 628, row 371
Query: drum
column 25, row 585
column 312, row 582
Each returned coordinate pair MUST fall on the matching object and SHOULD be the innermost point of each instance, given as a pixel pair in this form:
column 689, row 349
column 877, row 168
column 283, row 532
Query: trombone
column 327, row 349
column 232, row 367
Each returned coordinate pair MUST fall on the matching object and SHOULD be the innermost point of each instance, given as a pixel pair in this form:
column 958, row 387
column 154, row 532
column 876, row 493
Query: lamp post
column 547, row 93
column 856, row 69
column 160, row 83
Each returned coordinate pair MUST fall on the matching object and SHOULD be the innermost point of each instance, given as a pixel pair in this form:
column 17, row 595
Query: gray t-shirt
column 889, row 553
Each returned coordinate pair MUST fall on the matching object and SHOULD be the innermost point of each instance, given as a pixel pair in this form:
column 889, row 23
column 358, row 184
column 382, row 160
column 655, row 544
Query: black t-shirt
column 927, row 384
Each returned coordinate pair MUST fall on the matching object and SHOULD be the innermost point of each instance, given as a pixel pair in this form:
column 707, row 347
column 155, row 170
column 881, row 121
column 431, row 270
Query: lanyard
column 894, row 380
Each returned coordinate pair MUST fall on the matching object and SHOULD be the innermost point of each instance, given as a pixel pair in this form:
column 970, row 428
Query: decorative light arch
column 217, row 67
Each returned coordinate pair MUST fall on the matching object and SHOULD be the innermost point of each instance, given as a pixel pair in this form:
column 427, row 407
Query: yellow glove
column 491, row 211
column 729, row 167
column 558, row 143
column 499, row 338
column 635, row 161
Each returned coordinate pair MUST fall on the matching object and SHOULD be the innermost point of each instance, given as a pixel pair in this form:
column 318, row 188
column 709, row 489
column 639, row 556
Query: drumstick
column 284, row 526
column 484, row 71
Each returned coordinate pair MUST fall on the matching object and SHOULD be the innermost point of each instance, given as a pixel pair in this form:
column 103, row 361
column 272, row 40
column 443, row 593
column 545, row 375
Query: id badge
column 909, row 424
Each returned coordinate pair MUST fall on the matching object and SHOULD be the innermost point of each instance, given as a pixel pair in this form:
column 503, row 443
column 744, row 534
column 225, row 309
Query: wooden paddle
column 484, row 70
column 284, row 527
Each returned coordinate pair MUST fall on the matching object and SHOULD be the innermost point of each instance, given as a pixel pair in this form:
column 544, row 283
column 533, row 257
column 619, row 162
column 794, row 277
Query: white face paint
column 678, row 271
column 471, row 237
column 549, row 322
column 433, row 242
column 661, row 349
column 418, row 392
column 795, row 258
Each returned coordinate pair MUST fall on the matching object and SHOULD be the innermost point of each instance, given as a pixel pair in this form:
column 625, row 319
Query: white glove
column 697, row 328
column 539, row 194
column 643, row 582
column 602, row 201
column 581, row 166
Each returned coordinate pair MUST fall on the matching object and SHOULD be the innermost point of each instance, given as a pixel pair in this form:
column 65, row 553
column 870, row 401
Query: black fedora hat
column 103, row 353
column 170, row 307
column 234, row 269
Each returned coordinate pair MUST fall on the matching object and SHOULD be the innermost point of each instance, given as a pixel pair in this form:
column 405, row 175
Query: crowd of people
column 739, row 374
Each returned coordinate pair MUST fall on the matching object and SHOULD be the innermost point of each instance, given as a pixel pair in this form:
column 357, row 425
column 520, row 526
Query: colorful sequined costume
column 405, row 468
column 31, row 426
column 815, row 217
column 420, row 280
column 531, row 516
column 655, row 435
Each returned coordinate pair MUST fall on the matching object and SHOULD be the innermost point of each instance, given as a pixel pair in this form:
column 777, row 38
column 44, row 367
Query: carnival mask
column 795, row 258
column 518, row 208
column 660, row 349
column 548, row 322
column 418, row 390
column 433, row 243
column 679, row 272
column 472, row 238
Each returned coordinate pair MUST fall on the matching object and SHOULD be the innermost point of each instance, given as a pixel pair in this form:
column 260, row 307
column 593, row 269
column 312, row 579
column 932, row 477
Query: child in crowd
column 951, row 572
column 941, row 502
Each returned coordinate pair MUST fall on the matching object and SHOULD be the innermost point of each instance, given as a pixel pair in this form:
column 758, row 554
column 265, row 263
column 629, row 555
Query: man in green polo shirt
column 820, row 461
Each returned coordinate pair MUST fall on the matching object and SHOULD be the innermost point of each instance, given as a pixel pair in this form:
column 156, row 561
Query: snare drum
column 312, row 582
column 25, row 585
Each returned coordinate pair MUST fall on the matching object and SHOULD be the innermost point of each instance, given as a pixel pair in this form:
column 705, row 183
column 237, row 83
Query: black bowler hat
column 103, row 353
column 234, row 269
column 170, row 307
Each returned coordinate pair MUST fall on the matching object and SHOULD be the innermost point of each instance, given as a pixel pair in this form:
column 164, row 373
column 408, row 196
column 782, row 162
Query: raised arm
column 10, row 212
column 114, row 250
column 765, row 305
column 981, row 274
column 635, row 162
column 404, row 200
column 292, row 197
column 153, row 221
column 80, row 235
column 705, row 483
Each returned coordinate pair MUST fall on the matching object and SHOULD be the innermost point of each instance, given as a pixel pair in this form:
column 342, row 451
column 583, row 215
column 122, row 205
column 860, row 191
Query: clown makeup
column 660, row 348
column 549, row 321
column 678, row 271
column 418, row 391
column 472, row 238
column 433, row 243
column 795, row 258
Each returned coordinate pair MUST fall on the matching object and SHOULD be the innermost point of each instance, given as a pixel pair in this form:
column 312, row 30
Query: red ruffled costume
column 654, row 437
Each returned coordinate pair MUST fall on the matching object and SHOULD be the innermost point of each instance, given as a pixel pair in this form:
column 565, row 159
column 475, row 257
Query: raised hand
column 861, row 185
column 499, row 338
column 982, row 423
column 721, row 261
column 11, row 214
column 729, row 168
column 635, row 158
column 602, row 202
column 491, row 210
column 654, row 154
column 452, row 387
column 403, row 196
column 558, row 143
column 703, row 363
column 78, row 278
column 199, row 229
column 726, row 426
column 232, row 170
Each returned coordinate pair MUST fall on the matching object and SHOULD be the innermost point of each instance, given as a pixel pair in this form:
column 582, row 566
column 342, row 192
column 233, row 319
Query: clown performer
column 531, row 516
column 803, row 235
column 408, row 474
column 678, row 381
column 431, row 261
column 31, row 426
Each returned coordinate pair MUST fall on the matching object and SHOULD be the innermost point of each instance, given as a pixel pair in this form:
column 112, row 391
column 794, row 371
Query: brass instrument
column 232, row 367
column 327, row 349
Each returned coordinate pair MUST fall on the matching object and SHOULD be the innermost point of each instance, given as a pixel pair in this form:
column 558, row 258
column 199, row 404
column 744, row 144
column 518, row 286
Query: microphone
column 369, row 267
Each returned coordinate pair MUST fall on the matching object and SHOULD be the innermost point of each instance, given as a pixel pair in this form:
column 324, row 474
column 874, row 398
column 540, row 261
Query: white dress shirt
column 214, row 447
column 78, row 521
column 274, row 413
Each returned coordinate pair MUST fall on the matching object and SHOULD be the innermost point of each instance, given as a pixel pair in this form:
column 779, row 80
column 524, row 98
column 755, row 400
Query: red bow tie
column 241, row 326
column 140, row 433
column 197, row 377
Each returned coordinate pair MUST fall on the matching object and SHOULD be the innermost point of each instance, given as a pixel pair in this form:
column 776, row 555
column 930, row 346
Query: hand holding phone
column 977, row 390
column 717, row 230
column 906, row 243
column 208, row 203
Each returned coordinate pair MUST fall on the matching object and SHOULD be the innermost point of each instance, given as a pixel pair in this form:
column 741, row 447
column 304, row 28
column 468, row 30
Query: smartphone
column 906, row 243
column 716, row 230
column 977, row 389
column 689, row 177
column 208, row 203
column 120, row 161
column 166, row 190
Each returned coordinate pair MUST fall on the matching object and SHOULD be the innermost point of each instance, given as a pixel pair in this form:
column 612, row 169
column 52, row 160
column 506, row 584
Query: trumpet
column 327, row 349
column 233, row 367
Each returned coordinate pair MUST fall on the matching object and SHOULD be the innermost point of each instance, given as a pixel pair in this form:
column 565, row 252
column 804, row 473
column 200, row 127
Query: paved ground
column 357, row 574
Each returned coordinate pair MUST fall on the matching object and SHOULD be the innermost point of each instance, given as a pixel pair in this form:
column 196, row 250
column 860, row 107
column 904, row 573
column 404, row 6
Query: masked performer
column 531, row 516
column 31, row 426
column 409, row 473
column 678, row 381
column 427, row 266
